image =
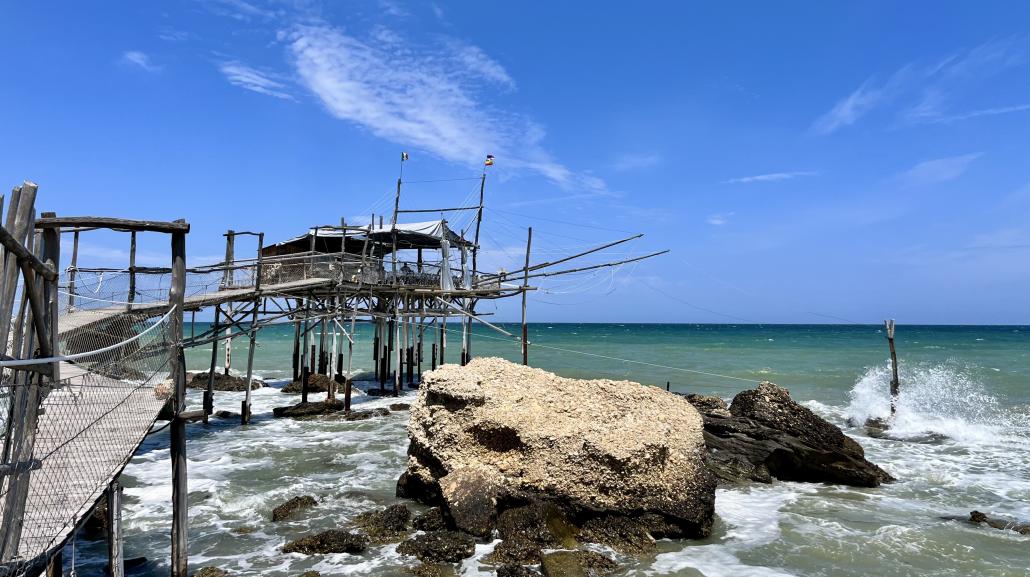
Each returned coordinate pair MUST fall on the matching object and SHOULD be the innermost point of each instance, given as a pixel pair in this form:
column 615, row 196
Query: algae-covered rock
column 386, row 525
column 331, row 541
column 439, row 547
column 290, row 508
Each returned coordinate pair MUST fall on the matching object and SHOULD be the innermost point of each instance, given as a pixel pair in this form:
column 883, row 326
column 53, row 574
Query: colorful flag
column 489, row 160
column 404, row 156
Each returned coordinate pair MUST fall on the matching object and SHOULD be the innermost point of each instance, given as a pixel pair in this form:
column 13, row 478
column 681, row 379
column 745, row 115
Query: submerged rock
column 211, row 572
column 433, row 570
column 310, row 574
column 331, row 541
column 305, row 410
column 400, row 406
column 528, row 530
column 290, row 508
column 365, row 414
column 516, row 571
column 979, row 518
column 594, row 446
column 386, row 525
column 767, row 435
column 576, row 564
column 624, row 534
column 222, row 382
column 439, row 547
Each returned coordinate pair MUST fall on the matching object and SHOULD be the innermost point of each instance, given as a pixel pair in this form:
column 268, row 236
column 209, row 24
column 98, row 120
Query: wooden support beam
column 180, row 491
column 119, row 224
column 115, row 543
column 525, row 285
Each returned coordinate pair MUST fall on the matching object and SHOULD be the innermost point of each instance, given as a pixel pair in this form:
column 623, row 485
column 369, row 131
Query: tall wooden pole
column 132, row 269
column 228, row 281
column 209, row 392
column 72, row 271
column 115, row 549
column 525, row 288
column 252, row 329
column 895, row 384
column 180, row 492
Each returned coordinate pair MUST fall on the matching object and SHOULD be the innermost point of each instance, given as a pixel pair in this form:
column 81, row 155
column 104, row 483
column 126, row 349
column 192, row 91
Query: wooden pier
column 90, row 370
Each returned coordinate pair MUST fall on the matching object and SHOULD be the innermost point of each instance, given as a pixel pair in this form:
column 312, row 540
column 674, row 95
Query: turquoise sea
column 968, row 384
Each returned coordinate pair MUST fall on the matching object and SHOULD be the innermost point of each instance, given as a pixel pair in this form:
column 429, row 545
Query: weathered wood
column 55, row 567
column 895, row 384
column 25, row 256
column 209, row 392
column 180, row 491
column 72, row 270
column 115, row 543
column 52, row 256
column 119, row 224
column 245, row 408
column 132, row 269
column 525, row 285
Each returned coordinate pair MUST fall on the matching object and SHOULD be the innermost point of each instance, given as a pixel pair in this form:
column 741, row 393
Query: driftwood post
column 525, row 287
column 895, row 384
column 180, row 505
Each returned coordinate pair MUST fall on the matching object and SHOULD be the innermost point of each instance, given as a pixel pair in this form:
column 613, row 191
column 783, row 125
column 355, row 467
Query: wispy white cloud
column 169, row 34
column 770, row 177
column 937, row 171
column 926, row 94
column 719, row 219
column 255, row 80
column 139, row 59
column 983, row 112
column 636, row 161
column 429, row 97
column 238, row 9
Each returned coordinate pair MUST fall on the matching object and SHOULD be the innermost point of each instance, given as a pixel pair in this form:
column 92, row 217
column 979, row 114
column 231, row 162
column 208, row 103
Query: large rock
column 385, row 525
column 331, row 541
column 439, row 547
column 292, row 507
column 223, row 382
column 494, row 432
column 317, row 383
column 766, row 435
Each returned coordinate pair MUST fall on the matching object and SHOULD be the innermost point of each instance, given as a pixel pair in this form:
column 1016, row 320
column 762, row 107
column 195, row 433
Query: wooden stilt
column 132, row 270
column 71, row 270
column 245, row 407
column 209, row 392
column 55, row 567
column 180, row 506
column 115, row 548
column 296, row 350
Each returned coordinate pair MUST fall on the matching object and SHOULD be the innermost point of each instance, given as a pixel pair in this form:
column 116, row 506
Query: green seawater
column 961, row 442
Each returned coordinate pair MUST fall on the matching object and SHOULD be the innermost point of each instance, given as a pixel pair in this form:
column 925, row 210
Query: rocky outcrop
column 764, row 434
column 385, row 526
column 292, row 507
column 494, row 435
column 576, row 564
column 308, row 410
column 317, row 383
column 211, row 572
column 331, row 541
column 439, row 547
column 431, row 520
column 222, row 382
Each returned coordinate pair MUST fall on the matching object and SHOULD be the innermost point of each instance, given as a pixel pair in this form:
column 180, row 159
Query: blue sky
column 804, row 163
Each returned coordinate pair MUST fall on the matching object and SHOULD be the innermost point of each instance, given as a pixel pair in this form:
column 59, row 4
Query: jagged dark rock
column 365, row 414
column 317, row 383
column 470, row 498
column 400, row 406
column 980, row 518
column 227, row 415
column 386, row 525
column 517, row 571
column 439, row 547
column 766, row 435
column 310, row 574
column 430, row 520
column 211, row 572
column 528, row 529
column 307, row 410
column 223, row 382
column 292, row 507
column 331, row 541
column 576, row 564
column 628, row 535
column 432, row 570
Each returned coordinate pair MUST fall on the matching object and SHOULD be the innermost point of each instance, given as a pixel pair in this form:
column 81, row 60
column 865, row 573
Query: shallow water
column 968, row 384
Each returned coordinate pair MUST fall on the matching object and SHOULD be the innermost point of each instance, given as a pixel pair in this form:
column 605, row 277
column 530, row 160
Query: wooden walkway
column 88, row 317
column 87, row 433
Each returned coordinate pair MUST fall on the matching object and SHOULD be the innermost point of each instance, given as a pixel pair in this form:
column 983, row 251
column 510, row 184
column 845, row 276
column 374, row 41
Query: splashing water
column 942, row 398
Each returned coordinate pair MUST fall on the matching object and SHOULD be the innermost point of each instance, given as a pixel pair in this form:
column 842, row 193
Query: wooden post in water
column 525, row 287
column 228, row 281
column 895, row 384
column 115, row 548
column 296, row 349
column 209, row 392
column 180, row 491
column 252, row 329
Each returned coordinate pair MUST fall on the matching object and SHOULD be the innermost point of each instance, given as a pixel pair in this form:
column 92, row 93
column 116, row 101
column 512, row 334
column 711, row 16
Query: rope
column 76, row 356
